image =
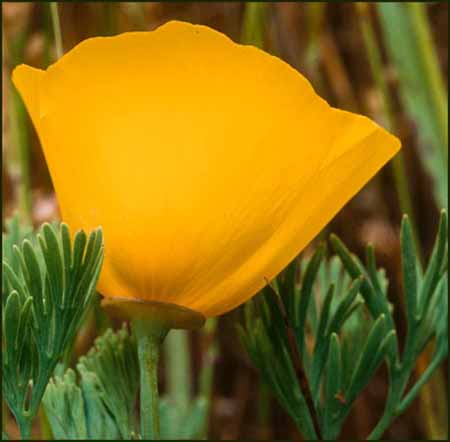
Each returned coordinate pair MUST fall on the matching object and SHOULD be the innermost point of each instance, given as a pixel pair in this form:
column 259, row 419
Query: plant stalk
column 150, row 336
column 254, row 24
column 426, row 49
column 393, row 398
column 206, row 377
column 315, row 22
column 381, row 427
column 56, row 29
column 209, row 355
column 24, row 423
column 19, row 165
column 46, row 431
column 411, row 395
column 421, row 87
column 397, row 402
column 376, row 67
column 178, row 368
column 4, row 413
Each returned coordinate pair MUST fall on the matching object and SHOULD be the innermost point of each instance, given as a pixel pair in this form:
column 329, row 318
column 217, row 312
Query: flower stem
column 56, row 29
column 209, row 355
column 178, row 368
column 206, row 378
column 149, row 335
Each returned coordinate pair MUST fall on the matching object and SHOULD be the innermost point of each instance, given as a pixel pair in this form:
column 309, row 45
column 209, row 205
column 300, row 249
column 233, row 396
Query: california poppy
column 210, row 165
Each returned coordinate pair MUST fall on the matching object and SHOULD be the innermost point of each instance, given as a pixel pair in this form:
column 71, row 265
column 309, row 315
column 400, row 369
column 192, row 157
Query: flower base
column 170, row 316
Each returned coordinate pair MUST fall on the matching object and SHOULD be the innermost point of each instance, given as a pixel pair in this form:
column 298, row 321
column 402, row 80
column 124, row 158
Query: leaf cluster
column 48, row 286
column 101, row 403
column 327, row 325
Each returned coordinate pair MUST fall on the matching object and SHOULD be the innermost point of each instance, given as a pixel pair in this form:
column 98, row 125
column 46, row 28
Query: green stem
column 376, row 67
column 398, row 382
column 24, row 423
column 388, row 415
column 206, row 376
column 4, row 412
column 391, row 411
column 411, row 395
column 381, row 427
column 56, row 29
column 149, row 335
column 21, row 140
column 46, row 431
column 209, row 356
column 426, row 49
column 315, row 15
column 137, row 12
column 110, row 10
column 19, row 164
column 254, row 24
column 178, row 366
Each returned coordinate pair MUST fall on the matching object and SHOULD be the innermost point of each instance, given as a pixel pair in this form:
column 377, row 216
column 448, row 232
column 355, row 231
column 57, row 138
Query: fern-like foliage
column 49, row 284
column 327, row 325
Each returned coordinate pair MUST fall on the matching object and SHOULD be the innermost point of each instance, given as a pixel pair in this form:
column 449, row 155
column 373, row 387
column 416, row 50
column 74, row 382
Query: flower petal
column 209, row 165
column 359, row 152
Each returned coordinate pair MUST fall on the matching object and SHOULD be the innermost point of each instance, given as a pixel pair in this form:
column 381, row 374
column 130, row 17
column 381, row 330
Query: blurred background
column 388, row 61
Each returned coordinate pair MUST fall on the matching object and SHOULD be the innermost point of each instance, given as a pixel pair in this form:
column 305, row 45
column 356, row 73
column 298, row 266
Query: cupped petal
column 29, row 81
column 208, row 164
column 359, row 151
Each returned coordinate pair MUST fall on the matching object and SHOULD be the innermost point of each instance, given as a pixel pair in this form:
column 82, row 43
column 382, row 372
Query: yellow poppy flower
column 210, row 165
